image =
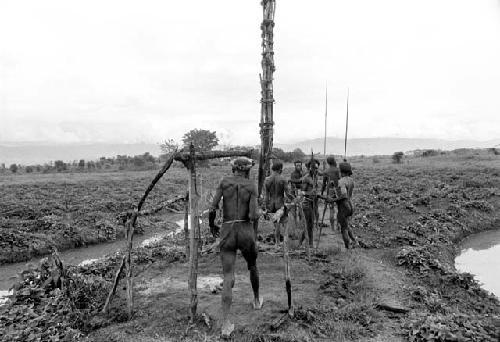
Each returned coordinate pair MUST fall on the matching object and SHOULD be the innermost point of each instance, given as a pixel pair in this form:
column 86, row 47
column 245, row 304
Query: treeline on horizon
column 141, row 162
column 146, row 161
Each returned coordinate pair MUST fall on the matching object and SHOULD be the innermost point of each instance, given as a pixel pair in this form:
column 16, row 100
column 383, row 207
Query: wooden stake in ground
column 194, row 235
column 186, row 223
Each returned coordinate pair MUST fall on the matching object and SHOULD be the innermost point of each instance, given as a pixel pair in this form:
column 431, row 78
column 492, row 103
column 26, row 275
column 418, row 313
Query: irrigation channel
column 480, row 255
column 9, row 272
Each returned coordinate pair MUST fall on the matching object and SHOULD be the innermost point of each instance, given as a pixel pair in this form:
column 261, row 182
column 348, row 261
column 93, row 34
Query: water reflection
column 481, row 256
column 4, row 297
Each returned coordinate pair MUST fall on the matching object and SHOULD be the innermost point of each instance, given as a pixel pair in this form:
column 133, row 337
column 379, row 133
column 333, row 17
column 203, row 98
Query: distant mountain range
column 40, row 153
column 384, row 146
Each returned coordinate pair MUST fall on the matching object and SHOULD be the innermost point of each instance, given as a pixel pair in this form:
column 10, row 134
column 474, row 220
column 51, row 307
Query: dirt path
column 162, row 298
column 387, row 281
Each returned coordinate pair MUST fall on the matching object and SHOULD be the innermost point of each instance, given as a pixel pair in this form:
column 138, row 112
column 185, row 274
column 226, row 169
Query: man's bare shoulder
column 282, row 179
column 307, row 178
column 234, row 180
column 332, row 171
column 346, row 181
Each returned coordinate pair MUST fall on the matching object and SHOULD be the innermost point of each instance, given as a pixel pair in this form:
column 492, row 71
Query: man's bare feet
column 257, row 303
column 227, row 329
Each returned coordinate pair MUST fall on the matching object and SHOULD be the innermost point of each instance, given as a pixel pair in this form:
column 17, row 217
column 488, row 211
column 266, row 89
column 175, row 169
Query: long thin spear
column 346, row 125
column 326, row 117
column 324, row 167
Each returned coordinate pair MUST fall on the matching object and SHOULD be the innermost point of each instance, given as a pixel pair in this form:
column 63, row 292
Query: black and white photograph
column 250, row 171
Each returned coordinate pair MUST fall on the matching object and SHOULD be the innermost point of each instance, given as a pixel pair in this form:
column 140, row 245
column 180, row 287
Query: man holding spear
column 309, row 189
column 331, row 178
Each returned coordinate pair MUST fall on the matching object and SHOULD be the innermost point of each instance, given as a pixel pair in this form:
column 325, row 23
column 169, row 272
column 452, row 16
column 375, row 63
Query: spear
column 314, row 197
column 324, row 167
column 326, row 116
column 346, row 125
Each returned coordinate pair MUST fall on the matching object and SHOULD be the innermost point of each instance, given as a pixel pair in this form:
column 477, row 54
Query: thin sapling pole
column 194, row 236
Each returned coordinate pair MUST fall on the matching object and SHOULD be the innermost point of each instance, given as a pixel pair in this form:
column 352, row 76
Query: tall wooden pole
column 266, row 84
column 194, row 235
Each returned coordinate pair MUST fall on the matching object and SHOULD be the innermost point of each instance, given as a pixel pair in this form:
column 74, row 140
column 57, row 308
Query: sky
column 146, row 71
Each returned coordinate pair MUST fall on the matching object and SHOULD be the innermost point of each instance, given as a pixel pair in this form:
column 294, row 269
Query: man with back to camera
column 344, row 203
column 276, row 190
column 240, row 210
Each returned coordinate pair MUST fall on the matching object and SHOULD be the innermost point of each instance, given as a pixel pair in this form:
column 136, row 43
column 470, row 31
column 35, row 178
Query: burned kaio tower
column 267, row 99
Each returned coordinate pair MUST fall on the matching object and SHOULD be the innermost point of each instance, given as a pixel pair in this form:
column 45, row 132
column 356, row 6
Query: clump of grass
column 332, row 250
column 354, row 314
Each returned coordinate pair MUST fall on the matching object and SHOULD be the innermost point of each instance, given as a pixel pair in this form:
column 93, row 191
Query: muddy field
column 400, row 285
column 73, row 210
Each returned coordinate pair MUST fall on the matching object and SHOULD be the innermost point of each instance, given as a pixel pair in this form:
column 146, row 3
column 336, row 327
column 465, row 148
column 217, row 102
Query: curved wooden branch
column 127, row 259
column 125, row 216
column 185, row 157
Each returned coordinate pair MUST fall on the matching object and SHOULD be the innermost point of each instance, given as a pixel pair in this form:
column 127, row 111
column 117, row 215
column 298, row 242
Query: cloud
column 118, row 71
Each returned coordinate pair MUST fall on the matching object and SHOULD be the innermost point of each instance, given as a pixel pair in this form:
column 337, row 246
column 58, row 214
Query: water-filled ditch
column 480, row 255
column 9, row 272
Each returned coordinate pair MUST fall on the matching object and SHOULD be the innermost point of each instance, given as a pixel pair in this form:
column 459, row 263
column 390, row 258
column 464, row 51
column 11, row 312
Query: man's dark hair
column 345, row 168
column 277, row 165
column 314, row 161
column 331, row 161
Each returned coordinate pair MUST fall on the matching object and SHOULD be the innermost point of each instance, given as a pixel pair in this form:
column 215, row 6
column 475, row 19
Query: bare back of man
column 276, row 192
column 237, row 232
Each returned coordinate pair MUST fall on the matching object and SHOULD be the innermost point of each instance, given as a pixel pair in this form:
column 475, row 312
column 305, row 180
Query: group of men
column 336, row 191
column 241, row 210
